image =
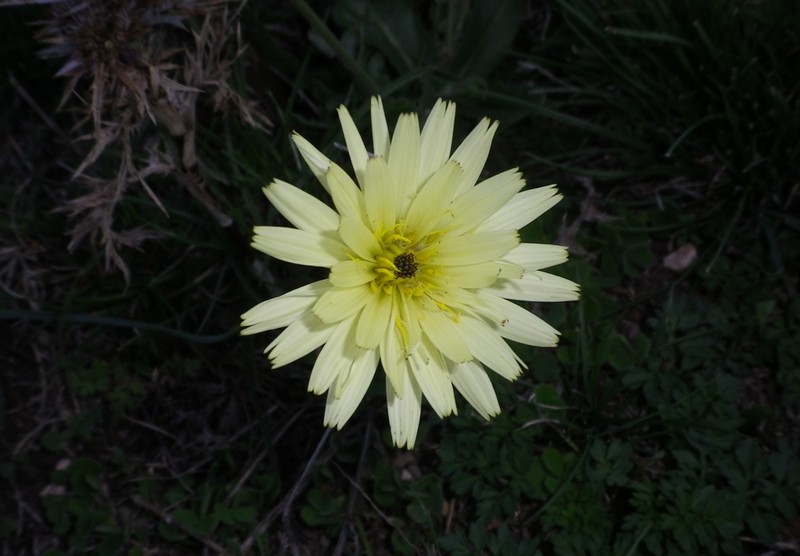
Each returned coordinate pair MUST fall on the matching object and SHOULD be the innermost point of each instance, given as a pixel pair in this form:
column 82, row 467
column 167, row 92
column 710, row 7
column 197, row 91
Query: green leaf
column 311, row 516
column 111, row 545
column 489, row 31
column 763, row 311
column 534, row 479
column 764, row 526
column 636, row 379
column 170, row 533
column 54, row 440
column 392, row 26
column 685, row 459
column 400, row 545
column 648, row 36
column 620, row 353
column 547, row 395
column 636, row 257
column 599, row 450
column 85, row 473
column 188, row 518
column 244, row 514
column 553, row 461
column 700, row 498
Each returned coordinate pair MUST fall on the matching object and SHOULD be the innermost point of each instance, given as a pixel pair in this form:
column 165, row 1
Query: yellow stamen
column 398, row 322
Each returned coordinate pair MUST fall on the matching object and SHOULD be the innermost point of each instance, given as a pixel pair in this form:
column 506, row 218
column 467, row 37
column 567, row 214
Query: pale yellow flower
column 422, row 264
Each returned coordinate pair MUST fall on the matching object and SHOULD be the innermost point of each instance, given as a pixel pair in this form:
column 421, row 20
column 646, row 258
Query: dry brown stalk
column 137, row 76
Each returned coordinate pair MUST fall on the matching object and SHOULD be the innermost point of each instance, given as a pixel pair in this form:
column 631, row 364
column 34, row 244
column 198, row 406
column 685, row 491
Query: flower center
column 404, row 262
column 406, row 265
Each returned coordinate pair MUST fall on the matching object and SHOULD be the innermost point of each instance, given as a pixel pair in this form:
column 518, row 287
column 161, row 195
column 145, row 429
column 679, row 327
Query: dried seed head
column 138, row 64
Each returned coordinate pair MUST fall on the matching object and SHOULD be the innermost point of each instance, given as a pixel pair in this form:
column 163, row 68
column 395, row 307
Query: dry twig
column 144, row 76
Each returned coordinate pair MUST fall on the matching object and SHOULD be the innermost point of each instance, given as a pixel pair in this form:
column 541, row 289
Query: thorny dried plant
column 144, row 75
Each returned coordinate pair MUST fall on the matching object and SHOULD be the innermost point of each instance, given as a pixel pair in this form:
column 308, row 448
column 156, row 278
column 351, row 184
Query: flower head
column 423, row 261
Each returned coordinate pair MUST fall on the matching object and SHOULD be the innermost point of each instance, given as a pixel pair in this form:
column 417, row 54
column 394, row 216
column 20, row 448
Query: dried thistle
column 131, row 64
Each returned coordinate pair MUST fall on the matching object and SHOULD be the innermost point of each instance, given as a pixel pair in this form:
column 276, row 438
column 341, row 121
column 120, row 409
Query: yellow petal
column 339, row 303
column 333, row 358
column 373, row 321
column 304, row 211
column 522, row 209
column 472, row 153
column 478, row 203
column 318, row 162
column 489, row 348
column 404, row 159
column 537, row 286
column 380, row 194
column 407, row 313
column 474, row 248
column 347, row 197
column 300, row 338
column 432, row 201
column 283, row 310
column 480, row 275
column 445, row 335
column 404, row 411
column 349, row 274
column 474, row 384
column 338, row 409
column 298, row 246
column 355, row 144
column 380, row 131
column 536, row 256
column 393, row 358
column 437, row 139
column 457, row 299
column 515, row 323
column 359, row 238
column 430, row 371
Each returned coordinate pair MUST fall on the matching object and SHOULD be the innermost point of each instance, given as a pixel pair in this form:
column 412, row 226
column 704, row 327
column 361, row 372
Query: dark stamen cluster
column 406, row 264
